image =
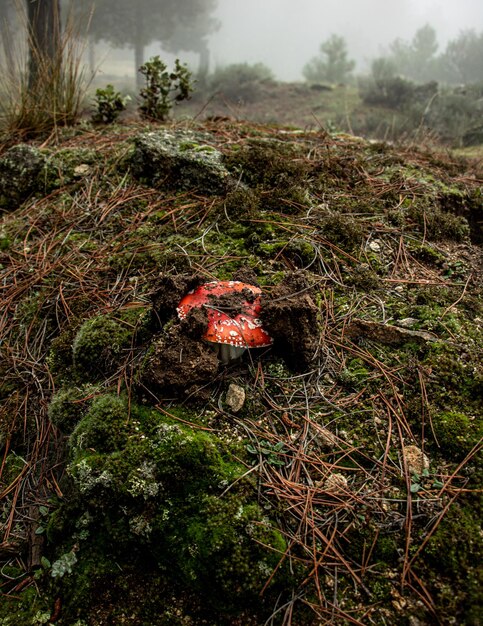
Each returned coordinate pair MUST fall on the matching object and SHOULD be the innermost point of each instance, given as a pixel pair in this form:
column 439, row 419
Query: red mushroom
column 234, row 331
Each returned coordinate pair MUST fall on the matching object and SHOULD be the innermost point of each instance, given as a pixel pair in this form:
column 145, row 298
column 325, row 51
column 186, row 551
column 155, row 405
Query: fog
column 285, row 34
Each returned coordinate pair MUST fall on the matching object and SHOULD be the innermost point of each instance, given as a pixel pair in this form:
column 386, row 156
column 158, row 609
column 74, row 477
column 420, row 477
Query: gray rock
column 235, row 397
column 407, row 322
column 20, row 169
column 179, row 159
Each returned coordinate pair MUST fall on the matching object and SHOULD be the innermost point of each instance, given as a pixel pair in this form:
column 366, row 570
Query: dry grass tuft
column 56, row 97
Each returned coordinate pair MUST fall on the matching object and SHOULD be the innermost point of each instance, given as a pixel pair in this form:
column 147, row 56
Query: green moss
column 299, row 252
column 229, row 551
column 268, row 164
column 66, row 166
column 4, row 241
column 242, row 203
column 149, row 481
column 102, row 341
column 104, row 428
column 456, row 433
column 27, row 608
column 451, row 551
column 69, row 405
column 342, row 230
column 438, row 225
column 13, row 466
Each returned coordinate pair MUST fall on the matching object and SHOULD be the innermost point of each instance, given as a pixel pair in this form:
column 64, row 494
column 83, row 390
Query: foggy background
column 284, row 34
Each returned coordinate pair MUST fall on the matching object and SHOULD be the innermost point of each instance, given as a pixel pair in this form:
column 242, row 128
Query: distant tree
column 192, row 36
column 137, row 23
column 43, row 35
column 462, row 61
column 332, row 65
column 416, row 60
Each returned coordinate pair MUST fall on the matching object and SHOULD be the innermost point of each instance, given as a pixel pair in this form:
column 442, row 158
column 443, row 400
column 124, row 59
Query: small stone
column 335, row 483
column 407, row 322
column 416, row 460
column 235, row 397
column 82, row 170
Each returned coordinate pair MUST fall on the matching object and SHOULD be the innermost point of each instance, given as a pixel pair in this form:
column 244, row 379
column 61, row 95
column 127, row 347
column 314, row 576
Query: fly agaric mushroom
column 234, row 329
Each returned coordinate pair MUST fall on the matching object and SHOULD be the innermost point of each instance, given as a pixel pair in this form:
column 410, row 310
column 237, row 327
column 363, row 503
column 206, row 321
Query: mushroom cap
column 244, row 329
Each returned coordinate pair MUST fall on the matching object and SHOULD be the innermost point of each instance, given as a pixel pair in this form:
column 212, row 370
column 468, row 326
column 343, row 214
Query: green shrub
column 163, row 88
column 393, row 92
column 109, row 104
column 456, row 114
column 240, row 81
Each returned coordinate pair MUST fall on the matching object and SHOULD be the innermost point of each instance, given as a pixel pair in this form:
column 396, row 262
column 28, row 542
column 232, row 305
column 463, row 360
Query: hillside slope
column 333, row 477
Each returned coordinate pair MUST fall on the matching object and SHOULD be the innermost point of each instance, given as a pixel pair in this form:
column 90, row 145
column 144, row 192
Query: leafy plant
column 163, row 88
column 270, row 452
column 424, row 481
column 109, row 104
column 64, row 565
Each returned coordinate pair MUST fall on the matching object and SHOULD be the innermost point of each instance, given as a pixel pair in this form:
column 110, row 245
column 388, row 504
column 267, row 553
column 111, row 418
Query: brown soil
column 290, row 317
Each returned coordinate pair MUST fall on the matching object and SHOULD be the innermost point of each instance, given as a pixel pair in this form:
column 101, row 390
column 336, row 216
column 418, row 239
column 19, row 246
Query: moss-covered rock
column 20, row 169
column 141, row 479
column 102, row 341
column 69, row 405
column 180, row 160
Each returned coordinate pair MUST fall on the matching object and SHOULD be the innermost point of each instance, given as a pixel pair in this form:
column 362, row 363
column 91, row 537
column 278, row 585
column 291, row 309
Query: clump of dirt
column 181, row 364
column 245, row 274
column 233, row 303
column 289, row 316
column 168, row 291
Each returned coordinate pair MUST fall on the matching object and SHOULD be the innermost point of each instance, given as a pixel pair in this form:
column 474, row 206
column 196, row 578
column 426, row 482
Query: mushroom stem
column 228, row 353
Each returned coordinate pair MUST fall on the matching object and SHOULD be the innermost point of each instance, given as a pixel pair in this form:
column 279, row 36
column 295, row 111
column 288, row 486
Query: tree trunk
column 204, row 65
column 44, row 36
column 139, row 50
column 92, row 55
column 7, row 38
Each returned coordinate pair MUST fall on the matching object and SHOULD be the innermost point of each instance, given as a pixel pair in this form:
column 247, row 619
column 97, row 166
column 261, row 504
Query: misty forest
column 241, row 277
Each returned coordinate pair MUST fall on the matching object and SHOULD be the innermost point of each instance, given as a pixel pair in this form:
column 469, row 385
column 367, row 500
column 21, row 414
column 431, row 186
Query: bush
column 456, row 114
column 393, row 92
column 109, row 104
column 163, row 88
column 240, row 81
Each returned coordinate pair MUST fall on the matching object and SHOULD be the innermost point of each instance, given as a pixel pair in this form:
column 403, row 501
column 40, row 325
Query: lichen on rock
column 178, row 159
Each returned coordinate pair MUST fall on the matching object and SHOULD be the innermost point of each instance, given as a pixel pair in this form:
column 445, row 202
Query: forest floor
column 345, row 488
